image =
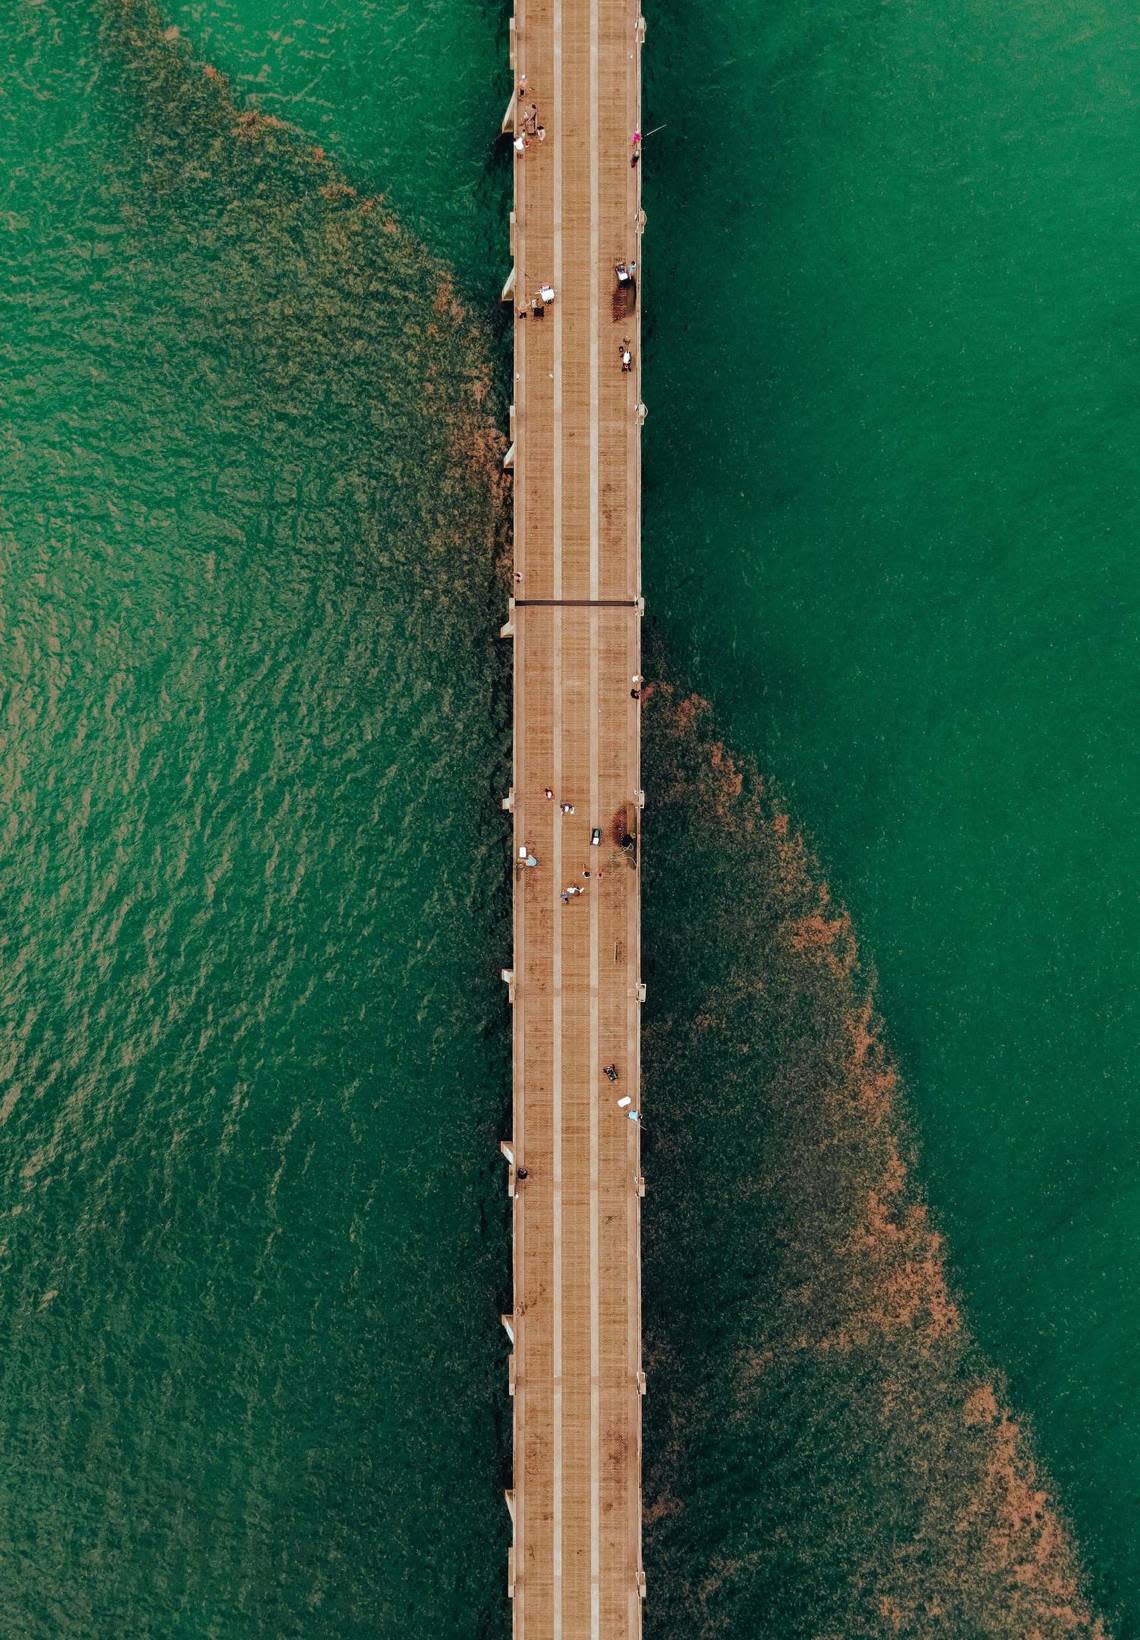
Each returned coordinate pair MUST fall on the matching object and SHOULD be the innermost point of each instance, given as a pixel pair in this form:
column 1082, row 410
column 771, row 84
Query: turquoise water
column 255, row 730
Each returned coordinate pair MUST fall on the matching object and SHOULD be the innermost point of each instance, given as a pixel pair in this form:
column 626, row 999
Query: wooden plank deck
column 576, row 1570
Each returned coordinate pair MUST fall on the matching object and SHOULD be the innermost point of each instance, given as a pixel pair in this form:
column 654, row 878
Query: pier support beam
column 508, row 1149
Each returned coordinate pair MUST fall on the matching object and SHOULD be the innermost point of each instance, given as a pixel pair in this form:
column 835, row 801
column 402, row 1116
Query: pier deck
column 575, row 1568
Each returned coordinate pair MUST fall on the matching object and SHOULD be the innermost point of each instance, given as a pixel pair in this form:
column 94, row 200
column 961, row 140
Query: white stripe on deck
column 595, row 818
column 555, row 886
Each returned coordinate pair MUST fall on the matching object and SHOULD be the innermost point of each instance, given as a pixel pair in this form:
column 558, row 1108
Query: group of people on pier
column 530, row 128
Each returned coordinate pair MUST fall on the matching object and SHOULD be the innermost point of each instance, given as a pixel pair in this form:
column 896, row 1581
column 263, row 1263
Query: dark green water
column 255, row 1066
column 901, row 559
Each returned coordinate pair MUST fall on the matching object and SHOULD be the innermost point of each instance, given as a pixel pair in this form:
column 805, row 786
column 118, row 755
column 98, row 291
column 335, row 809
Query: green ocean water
column 254, row 727
column 901, row 559
column 255, row 1052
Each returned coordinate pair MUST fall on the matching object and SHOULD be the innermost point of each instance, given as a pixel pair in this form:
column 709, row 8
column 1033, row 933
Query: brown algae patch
column 826, row 1454
column 344, row 311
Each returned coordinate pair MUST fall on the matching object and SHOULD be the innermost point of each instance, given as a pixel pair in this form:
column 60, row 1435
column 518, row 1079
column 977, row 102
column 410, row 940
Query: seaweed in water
column 294, row 279
column 827, row 1456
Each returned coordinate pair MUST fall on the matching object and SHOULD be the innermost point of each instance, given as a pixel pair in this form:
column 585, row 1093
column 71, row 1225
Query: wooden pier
column 575, row 1570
